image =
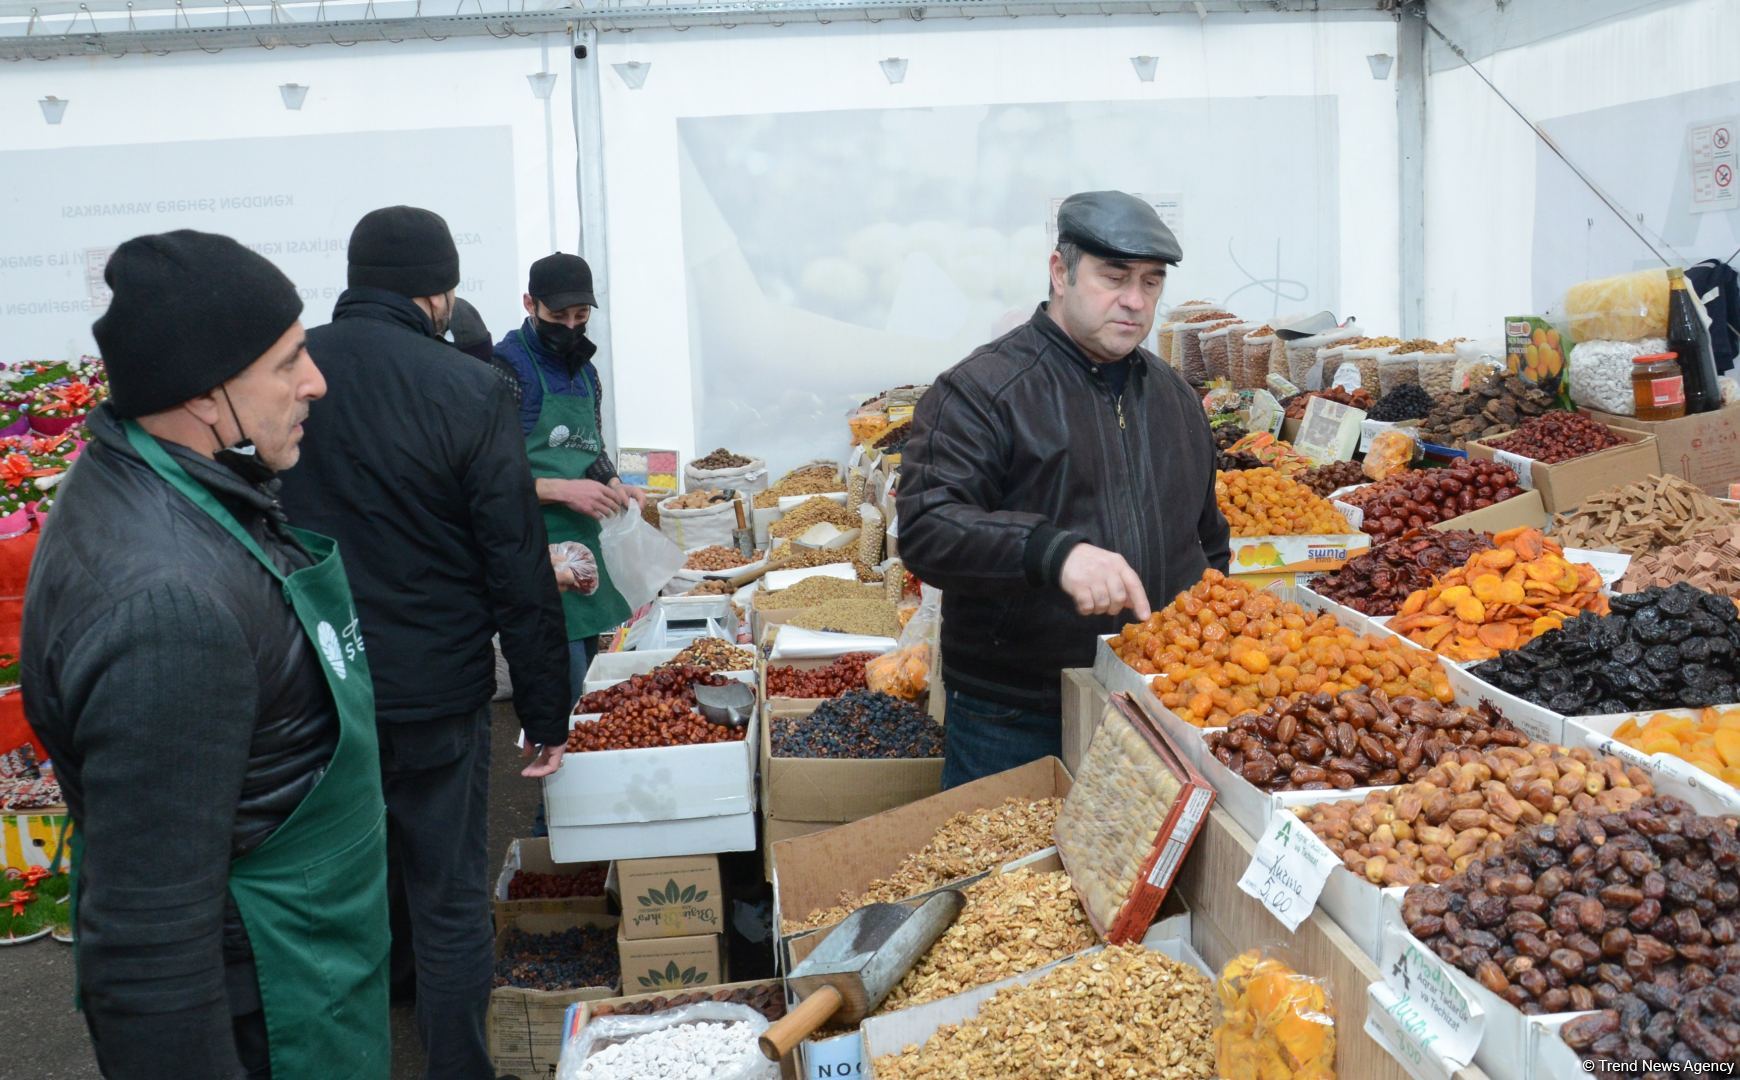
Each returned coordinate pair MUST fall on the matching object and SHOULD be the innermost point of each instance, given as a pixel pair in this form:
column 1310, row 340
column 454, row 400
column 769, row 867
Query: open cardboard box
column 533, row 855
column 838, row 789
column 810, row 872
column 1566, row 485
column 1671, row 775
column 525, row 1027
column 1703, row 448
column 1527, row 510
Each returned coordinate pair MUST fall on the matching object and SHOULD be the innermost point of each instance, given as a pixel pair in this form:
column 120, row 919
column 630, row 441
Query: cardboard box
column 672, row 964
column 1671, row 775
column 525, row 1026
column 667, row 783
column 810, row 872
column 1566, row 485
column 1703, row 448
column 673, row 897
column 838, row 790
column 773, row 830
column 1527, row 510
column 1295, row 554
column 653, row 839
column 799, row 665
column 534, row 855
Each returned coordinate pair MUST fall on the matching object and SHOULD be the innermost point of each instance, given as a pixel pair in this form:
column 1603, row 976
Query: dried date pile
column 1670, row 648
column 1425, row 497
column 652, row 710
column 1658, row 1023
column 1327, row 479
column 839, row 677
column 1494, row 405
column 1376, row 582
column 1559, row 436
column 1360, row 738
column 1632, row 911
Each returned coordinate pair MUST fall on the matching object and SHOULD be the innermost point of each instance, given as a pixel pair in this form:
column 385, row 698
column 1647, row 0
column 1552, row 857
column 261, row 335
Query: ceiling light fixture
column 294, row 94
column 894, row 69
column 53, row 108
column 1145, row 67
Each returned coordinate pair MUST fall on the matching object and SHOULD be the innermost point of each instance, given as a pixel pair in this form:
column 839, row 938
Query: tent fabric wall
column 1491, row 186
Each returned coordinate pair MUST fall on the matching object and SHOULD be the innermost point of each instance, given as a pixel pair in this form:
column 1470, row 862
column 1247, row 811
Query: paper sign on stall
column 1394, row 1022
column 1289, row 870
column 1522, row 466
column 1329, row 432
column 1452, row 1018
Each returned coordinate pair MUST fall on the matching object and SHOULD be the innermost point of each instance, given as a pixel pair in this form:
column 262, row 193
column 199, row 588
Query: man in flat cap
column 194, row 667
column 1057, row 480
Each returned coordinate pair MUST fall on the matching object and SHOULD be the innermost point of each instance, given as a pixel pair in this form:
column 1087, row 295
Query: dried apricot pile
column 1223, row 649
column 1501, row 600
column 1711, row 740
column 1264, row 502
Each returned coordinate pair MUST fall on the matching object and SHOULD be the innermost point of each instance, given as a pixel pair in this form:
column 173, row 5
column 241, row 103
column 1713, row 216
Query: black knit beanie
column 190, row 311
column 403, row 249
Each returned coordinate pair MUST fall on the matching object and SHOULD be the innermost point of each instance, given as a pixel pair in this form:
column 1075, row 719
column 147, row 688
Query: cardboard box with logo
column 672, row 964
column 1703, row 448
column 525, row 1026
column 673, row 897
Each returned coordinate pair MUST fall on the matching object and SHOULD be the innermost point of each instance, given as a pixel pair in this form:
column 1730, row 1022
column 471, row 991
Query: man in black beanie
column 416, row 464
column 196, row 673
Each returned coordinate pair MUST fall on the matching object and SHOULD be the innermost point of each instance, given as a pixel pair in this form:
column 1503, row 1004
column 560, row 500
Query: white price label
column 1522, row 466
column 1369, row 430
column 1611, row 565
column 1394, row 1023
column 1289, row 870
column 1354, row 515
column 1450, row 1015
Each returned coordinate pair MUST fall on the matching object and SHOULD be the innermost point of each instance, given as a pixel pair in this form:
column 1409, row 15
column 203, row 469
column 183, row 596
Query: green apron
column 313, row 896
column 562, row 446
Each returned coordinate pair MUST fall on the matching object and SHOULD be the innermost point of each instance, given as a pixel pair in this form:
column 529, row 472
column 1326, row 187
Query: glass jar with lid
column 1658, row 386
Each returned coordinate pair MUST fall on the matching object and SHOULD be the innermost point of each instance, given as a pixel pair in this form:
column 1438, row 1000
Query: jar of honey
column 1658, row 387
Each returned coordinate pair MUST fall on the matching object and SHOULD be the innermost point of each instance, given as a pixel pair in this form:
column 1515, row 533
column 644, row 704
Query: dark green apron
column 313, row 896
column 562, row 446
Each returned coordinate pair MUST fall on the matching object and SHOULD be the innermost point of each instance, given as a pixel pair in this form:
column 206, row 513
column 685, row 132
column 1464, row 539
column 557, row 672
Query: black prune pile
column 1671, row 648
column 1405, row 402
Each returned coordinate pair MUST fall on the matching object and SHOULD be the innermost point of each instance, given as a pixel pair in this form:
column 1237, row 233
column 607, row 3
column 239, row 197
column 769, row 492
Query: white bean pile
column 684, row 1052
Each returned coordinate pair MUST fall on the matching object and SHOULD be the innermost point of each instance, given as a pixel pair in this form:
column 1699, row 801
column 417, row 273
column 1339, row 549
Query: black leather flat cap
column 1116, row 225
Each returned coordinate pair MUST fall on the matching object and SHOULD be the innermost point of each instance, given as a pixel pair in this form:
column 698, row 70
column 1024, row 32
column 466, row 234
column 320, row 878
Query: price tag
column 1354, row 515
column 1393, row 1022
column 1346, row 378
column 1522, row 466
column 1611, row 565
column 1288, row 870
column 1450, row 1015
column 1369, row 430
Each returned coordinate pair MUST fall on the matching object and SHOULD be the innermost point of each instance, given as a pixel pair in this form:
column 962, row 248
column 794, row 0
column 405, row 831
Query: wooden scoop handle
column 782, row 1036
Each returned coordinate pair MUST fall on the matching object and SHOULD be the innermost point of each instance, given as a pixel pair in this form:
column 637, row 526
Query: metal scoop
column 730, row 705
column 858, row 964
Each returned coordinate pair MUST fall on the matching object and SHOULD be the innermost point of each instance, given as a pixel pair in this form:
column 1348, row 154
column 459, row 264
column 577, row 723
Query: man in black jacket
column 415, row 464
column 182, row 702
column 1056, row 478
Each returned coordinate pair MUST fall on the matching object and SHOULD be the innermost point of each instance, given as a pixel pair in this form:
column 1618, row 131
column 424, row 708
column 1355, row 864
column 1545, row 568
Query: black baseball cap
column 562, row 281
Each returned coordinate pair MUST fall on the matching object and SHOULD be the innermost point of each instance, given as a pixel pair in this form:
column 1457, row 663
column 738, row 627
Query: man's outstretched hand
column 1102, row 583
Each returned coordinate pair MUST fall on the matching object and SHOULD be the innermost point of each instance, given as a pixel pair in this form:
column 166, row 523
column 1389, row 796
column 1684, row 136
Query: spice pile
column 1410, row 401
column 1601, row 910
column 1121, row 1012
column 1642, row 517
column 1658, row 649
column 859, row 724
column 711, row 654
column 1263, row 502
column 808, row 593
column 1557, row 437
column 1223, row 649
column 841, row 676
column 1500, row 599
column 1494, row 405
column 1710, row 740
column 586, row 880
column 1012, row 923
column 1466, row 807
column 578, row 956
column 1415, row 500
column 1360, row 738
column 810, row 512
column 1376, row 582
column 1709, row 561
column 969, row 843
column 721, row 459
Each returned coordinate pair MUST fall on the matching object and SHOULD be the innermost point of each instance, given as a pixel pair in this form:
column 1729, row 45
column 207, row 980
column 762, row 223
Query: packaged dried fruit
column 1391, row 452
column 1276, row 1024
column 904, row 673
column 1709, row 739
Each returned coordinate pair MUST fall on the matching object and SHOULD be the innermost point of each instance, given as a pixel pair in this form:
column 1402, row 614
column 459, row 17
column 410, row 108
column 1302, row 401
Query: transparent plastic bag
column 1302, row 355
column 903, row 673
column 1397, row 370
column 1276, row 1024
column 1626, row 307
column 602, row 1049
column 1600, row 373
column 872, row 531
column 1391, row 452
column 576, row 569
column 1369, row 361
column 640, row 558
column 1163, row 344
column 1437, row 371
column 1213, row 343
column 1257, row 349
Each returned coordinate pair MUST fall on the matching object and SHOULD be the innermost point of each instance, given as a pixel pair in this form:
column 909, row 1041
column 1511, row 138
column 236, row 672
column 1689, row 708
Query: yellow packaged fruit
column 1626, row 307
column 1709, row 741
column 1276, row 1024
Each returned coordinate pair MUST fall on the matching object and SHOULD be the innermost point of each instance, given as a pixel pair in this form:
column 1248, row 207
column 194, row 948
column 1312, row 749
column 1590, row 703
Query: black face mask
column 564, row 341
column 243, row 458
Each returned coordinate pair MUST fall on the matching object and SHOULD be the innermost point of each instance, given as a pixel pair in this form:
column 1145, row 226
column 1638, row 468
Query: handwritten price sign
column 1289, row 869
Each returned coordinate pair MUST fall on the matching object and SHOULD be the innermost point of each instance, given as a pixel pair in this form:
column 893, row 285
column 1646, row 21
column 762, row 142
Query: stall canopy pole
column 1411, row 130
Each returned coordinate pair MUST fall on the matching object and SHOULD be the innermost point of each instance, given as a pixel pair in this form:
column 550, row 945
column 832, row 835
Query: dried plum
column 1628, row 654
column 1662, row 658
column 1678, row 600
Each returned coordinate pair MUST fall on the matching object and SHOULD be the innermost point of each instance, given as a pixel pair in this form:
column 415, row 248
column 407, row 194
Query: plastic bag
column 1257, row 351
column 1391, row 452
column 576, row 569
column 1275, row 1023
column 1600, row 373
column 693, row 529
column 1398, row 370
column 1627, row 307
column 595, row 1043
column 1214, row 343
column 749, row 478
column 872, row 531
column 1303, row 368
column 640, row 558
column 904, row 673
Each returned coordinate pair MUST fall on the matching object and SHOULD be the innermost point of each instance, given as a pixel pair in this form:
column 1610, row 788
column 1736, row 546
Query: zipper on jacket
column 1121, row 426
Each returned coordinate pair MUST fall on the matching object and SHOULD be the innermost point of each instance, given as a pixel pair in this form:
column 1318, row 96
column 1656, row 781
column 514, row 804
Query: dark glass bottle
column 1690, row 338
